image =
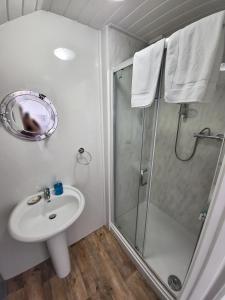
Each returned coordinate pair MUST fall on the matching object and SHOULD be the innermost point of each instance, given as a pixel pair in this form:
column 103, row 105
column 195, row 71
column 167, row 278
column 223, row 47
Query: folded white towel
column 146, row 70
column 193, row 60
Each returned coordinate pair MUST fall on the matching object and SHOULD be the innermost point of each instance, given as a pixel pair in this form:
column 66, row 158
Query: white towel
column 146, row 70
column 193, row 59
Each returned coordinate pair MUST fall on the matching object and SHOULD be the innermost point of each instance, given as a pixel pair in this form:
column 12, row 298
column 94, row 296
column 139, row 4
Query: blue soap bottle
column 58, row 188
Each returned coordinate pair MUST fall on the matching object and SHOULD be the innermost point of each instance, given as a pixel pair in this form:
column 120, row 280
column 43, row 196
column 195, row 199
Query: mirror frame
column 5, row 120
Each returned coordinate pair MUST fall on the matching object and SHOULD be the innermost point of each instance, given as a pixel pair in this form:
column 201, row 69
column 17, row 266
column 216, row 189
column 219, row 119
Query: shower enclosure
column 166, row 161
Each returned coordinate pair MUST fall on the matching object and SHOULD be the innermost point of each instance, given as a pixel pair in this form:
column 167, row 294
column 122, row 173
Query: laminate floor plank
column 101, row 270
column 119, row 289
column 33, row 286
column 74, row 283
column 47, row 291
column 116, row 253
column 102, row 283
column 87, row 267
column 58, row 289
column 139, row 287
column 15, row 284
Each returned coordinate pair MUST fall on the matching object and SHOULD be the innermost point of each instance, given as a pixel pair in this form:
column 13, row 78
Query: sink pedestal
column 47, row 222
column 59, row 253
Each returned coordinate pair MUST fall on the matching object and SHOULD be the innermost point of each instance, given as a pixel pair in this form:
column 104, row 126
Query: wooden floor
column 100, row 270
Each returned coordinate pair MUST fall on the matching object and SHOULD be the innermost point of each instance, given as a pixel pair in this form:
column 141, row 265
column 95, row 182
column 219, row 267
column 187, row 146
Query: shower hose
column 206, row 129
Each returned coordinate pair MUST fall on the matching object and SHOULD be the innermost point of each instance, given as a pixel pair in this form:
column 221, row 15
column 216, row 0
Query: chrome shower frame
column 210, row 229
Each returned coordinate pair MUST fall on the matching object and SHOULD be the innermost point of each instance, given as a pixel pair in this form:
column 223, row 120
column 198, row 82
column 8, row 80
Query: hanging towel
column 146, row 70
column 193, row 59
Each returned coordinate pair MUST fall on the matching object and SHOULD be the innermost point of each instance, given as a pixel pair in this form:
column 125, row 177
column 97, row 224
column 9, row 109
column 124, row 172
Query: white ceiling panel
column 146, row 19
column 157, row 13
column 142, row 10
column 97, row 11
column 74, row 8
column 107, row 9
column 127, row 8
column 154, row 19
column 186, row 18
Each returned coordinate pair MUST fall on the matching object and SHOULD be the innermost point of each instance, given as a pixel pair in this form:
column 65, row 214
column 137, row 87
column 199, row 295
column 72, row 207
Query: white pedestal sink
column 47, row 221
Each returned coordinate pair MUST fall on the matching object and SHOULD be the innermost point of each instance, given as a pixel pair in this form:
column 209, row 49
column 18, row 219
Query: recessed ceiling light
column 64, row 53
column 222, row 67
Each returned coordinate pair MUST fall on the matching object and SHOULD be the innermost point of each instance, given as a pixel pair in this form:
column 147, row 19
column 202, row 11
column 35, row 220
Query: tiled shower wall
column 181, row 189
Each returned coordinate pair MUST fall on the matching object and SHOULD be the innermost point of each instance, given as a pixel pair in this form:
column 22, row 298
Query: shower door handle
column 142, row 173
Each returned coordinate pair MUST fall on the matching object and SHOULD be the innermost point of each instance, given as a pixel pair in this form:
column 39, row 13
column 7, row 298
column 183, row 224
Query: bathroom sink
column 47, row 220
column 40, row 221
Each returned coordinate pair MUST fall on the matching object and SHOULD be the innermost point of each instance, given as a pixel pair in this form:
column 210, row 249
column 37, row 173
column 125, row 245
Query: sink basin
column 47, row 221
column 31, row 223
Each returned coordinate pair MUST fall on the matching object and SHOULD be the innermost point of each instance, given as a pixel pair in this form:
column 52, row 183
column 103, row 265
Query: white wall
column 27, row 62
column 122, row 46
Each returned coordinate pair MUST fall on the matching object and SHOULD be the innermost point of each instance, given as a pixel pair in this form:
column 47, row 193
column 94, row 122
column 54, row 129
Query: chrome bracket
column 142, row 172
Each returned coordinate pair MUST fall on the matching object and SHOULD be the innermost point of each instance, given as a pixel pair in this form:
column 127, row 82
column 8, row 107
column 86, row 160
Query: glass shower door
column 133, row 139
column 132, row 130
column 147, row 151
column 128, row 130
column 182, row 177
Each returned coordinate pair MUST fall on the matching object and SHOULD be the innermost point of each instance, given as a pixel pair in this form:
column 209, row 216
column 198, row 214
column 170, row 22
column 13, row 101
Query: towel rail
column 205, row 136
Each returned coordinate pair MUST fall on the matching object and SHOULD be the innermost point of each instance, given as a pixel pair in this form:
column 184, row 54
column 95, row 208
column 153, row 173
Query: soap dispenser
column 58, row 188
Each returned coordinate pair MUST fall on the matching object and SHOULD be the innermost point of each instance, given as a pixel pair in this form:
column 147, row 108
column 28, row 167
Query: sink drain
column 175, row 283
column 52, row 216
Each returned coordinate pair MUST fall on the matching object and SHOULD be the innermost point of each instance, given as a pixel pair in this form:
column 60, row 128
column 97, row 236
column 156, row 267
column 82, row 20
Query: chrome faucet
column 47, row 193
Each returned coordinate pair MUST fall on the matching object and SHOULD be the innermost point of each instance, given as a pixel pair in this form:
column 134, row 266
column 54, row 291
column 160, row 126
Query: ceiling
column 147, row 19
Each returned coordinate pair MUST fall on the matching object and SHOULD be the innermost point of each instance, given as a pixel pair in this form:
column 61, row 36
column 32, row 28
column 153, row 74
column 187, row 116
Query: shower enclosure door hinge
column 142, row 173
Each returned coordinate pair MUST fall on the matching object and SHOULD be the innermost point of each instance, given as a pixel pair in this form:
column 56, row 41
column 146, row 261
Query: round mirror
column 28, row 115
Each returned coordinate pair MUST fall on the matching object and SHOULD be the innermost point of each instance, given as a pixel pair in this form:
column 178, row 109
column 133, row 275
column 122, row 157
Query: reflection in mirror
column 28, row 115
